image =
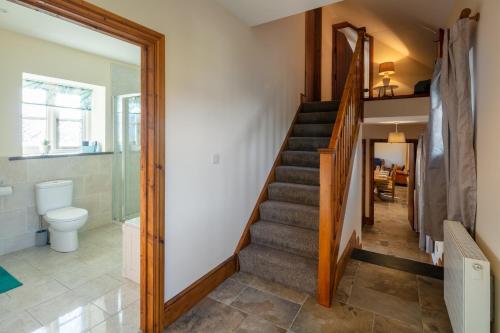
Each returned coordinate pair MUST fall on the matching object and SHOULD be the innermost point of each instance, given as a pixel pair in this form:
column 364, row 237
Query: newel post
column 326, row 228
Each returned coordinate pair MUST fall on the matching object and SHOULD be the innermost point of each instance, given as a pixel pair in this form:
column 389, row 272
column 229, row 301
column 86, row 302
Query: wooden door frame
column 152, row 190
column 371, row 219
column 313, row 46
column 343, row 25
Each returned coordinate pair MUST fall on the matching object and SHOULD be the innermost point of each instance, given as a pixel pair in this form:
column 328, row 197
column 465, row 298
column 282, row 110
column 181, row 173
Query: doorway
column 389, row 227
column 344, row 37
column 152, row 156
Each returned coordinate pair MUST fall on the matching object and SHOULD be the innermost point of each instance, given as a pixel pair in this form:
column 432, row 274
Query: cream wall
column 487, row 124
column 391, row 153
column 231, row 90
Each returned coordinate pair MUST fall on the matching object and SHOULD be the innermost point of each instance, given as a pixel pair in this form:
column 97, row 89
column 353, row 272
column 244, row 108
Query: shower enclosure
column 126, row 157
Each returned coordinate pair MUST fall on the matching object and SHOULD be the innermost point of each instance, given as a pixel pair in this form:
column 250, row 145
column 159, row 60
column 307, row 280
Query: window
column 56, row 111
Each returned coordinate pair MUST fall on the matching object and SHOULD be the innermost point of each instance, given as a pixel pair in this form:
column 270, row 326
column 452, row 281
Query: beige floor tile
column 279, row 290
column 340, row 318
column 118, row 299
column 431, row 293
column 253, row 324
column 227, row 291
column 243, row 277
column 344, row 288
column 30, row 295
column 208, row 316
column 387, row 325
column 19, row 322
column 125, row 321
column 272, row 308
column 391, row 233
column 388, row 281
column 79, row 320
column 436, row 321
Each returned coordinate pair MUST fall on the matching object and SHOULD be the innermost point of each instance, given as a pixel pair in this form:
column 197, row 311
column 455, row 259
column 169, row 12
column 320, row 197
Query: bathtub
column 132, row 249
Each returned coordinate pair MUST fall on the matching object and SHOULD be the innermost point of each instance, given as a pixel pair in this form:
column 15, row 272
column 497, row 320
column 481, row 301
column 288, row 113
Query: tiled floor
column 391, row 233
column 81, row 291
column 370, row 298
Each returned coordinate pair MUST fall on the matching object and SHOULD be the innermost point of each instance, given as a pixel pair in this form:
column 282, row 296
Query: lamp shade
column 396, row 137
column 386, row 68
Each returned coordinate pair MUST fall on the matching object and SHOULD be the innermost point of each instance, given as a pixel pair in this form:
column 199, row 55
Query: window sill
column 33, row 157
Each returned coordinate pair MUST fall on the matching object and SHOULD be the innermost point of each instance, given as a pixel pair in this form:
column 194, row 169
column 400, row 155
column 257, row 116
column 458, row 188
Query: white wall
column 352, row 216
column 397, row 108
column 47, row 59
column 391, row 153
column 487, row 124
column 231, row 90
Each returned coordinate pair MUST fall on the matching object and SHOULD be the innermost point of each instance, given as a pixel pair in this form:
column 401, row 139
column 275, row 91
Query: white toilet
column 53, row 202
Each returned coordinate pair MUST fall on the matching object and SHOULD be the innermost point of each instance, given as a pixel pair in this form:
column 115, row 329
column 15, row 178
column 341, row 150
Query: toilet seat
column 66, row 214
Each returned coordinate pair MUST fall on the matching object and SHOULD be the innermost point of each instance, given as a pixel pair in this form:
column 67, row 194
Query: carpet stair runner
column 284, row 243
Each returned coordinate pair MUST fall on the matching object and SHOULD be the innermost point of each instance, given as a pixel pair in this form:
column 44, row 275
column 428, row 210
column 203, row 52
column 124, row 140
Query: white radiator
column 466, row 281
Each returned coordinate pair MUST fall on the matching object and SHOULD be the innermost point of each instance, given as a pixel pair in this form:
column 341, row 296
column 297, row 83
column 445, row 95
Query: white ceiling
column 29, row 22
column 255, row 12
column 408, row 26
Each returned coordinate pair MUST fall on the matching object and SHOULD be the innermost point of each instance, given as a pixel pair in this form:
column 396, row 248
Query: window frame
column 52, row 117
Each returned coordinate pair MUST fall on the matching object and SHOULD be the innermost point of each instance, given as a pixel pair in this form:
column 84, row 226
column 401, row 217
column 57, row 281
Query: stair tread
column 296, row 193
column 288, row 213
column 308, row 143
column 297, row 175
column 280, row 266
column 320, row 106
column 327, row 117
column 284, row 237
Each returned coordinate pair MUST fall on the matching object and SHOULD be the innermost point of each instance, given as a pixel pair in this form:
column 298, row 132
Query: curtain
column 434, row 182
column 425, row 241
column 458, row 124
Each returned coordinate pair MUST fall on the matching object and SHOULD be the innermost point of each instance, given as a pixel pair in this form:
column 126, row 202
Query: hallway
column 370, row 298
column 391, row 234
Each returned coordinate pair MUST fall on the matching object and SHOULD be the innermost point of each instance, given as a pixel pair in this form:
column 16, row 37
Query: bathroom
column 70, row 118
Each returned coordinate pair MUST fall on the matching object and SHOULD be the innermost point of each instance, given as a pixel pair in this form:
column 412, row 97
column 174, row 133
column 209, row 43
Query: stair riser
column 316, row 117
column 309, row 177
column 307, row 144
column 303, row 243
column 290, row 276
column 293, row 195
column 301, row 159
column 311, row 130
column 297, row 216
column 320, row 107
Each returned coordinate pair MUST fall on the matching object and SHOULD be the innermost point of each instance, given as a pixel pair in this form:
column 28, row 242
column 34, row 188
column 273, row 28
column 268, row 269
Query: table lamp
column 385, row 69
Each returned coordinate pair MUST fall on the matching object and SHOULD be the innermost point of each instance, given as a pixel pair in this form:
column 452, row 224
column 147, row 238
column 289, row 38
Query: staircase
column 284, row 241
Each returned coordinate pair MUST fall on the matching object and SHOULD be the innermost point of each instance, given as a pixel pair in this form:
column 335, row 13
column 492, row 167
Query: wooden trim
column 152, row 190
column 263, row 196
column 396, row 97
column 372, row 62
column 313, row 44
column 345, row 257
column 193, row 294
column 363, row 186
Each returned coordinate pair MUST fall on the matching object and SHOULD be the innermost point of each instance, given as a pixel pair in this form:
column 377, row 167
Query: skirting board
column 344, row 259
column 193, row 294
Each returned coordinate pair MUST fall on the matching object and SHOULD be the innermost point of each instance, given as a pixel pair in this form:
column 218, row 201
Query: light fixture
column 385, row 69
column 396, row 137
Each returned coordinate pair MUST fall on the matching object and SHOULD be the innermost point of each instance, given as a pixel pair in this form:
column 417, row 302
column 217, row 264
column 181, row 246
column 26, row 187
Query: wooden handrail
column 335, row 170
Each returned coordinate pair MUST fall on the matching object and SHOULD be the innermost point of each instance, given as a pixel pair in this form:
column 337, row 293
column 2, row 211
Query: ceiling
column 255, row 12
column 408, row 26
column 29, row 22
